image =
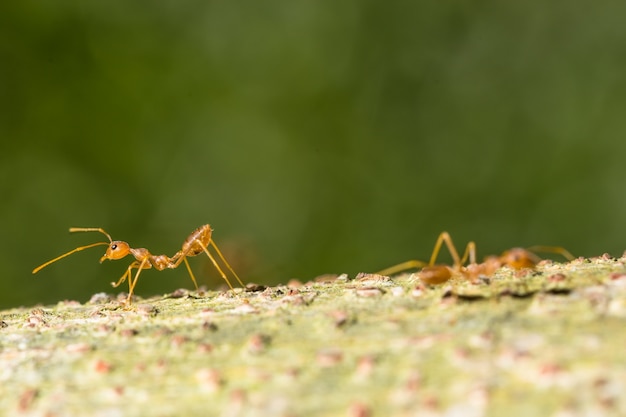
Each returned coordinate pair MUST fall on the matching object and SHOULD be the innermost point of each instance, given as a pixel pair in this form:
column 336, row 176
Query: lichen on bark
column 546, row 342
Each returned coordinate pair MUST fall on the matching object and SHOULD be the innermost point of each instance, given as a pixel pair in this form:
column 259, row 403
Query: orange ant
column 197, row 242
column 430, row 273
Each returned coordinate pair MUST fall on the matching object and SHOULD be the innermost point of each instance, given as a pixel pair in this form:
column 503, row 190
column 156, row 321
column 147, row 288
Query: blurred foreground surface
column 546, row 343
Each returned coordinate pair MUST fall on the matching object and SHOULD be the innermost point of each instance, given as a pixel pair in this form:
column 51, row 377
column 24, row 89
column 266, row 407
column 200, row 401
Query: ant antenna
column 91, row 229
column 72, row 230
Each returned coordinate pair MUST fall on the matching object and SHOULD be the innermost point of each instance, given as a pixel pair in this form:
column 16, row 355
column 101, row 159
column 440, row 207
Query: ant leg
column 215, row 264
column 121, row 280
column 177, row 259
column 553, row 249
column 133, row 282
column 402, row 267
column 445, row 237
column 190, row 272
column 470, row 251
column 128, row 273
column 211, row 242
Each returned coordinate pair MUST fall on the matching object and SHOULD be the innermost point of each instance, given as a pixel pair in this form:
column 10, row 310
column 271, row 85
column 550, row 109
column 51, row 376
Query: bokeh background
column 315, row 137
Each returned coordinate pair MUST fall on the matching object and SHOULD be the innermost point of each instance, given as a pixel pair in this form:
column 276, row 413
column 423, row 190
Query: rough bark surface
column 547, row 342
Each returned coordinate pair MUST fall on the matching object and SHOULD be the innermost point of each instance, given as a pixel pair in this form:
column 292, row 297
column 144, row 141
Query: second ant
column 432, row 274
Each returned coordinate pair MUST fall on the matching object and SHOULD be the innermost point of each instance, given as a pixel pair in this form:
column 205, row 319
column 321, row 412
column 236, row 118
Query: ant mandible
column 197, row 242
column 432, row 274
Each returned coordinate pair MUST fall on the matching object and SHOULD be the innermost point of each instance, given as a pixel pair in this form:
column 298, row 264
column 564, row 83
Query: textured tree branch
column 532, row 344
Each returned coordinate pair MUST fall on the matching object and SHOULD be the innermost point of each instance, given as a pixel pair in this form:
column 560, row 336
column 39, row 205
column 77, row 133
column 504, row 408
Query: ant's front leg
column 127, row 274
column 392, row 270
column 145, row 264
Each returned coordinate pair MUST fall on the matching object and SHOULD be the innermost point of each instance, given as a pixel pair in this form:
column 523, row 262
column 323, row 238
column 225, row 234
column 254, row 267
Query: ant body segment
column 198, row 242
column 432, row 274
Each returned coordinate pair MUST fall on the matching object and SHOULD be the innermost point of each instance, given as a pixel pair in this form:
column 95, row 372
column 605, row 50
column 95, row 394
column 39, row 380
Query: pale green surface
column 331, row 348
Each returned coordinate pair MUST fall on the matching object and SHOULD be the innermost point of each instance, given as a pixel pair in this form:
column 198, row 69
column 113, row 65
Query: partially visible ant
column 432, row 274
column 198, row 241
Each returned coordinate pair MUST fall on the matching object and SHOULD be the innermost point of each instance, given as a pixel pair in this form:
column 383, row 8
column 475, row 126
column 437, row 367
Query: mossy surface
column 546, row 343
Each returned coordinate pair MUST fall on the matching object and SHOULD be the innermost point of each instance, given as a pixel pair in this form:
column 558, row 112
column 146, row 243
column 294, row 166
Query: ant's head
column 116, row 250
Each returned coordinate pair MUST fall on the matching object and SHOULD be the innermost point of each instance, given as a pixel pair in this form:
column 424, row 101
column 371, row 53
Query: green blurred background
column 315, row 137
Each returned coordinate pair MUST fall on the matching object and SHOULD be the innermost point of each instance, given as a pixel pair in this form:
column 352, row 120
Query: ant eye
column 113, row 246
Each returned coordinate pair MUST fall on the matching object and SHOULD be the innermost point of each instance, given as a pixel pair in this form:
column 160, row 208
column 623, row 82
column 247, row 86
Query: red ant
column 516, row 258
column 197, row 242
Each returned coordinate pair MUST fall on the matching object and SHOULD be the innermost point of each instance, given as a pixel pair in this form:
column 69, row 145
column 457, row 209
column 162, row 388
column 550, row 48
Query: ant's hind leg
column 219, row 253
column 216, row 265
